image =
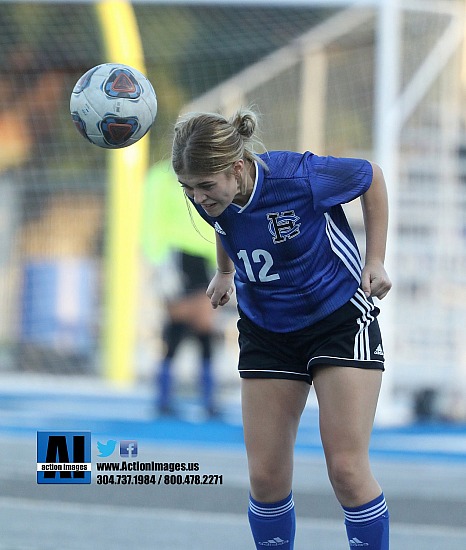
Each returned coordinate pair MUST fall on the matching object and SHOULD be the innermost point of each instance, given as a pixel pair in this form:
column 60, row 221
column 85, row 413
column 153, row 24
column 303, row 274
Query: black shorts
column 194, row 270
column 349, row 337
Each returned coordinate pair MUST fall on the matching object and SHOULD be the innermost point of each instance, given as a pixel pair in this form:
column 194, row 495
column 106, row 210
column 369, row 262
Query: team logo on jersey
column 283, row 225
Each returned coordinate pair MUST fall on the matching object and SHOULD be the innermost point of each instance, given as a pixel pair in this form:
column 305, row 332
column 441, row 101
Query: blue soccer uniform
column 295, row 255
column 298, row 268
column 298, row 276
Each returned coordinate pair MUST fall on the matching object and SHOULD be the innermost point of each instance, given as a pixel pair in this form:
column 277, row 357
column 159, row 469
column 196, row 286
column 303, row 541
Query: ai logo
column 64, row 457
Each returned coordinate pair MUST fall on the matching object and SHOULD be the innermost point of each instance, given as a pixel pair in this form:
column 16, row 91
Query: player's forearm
column 224, row 263
column 375, row 212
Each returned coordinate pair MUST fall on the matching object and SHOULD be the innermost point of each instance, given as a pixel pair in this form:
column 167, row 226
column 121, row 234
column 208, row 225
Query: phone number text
column 160, row 479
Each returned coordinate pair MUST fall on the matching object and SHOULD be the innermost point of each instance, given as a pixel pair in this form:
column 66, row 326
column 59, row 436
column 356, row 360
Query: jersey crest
column 283, row 225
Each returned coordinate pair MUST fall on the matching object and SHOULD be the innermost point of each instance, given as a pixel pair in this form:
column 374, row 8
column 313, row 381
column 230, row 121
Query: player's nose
column 199, row 196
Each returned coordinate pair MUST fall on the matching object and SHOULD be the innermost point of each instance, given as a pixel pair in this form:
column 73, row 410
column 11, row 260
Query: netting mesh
column 54, row 184
column 429, row 205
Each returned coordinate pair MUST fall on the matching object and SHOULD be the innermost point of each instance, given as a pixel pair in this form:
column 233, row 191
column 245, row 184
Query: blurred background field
column 381, row 80
column 422, row 467
column 82, row 302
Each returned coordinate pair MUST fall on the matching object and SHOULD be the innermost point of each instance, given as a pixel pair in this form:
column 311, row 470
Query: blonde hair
column 208, row 143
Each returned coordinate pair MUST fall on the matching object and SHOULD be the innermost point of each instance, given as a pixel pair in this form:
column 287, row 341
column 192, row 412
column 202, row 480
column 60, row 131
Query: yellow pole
column 126, row 172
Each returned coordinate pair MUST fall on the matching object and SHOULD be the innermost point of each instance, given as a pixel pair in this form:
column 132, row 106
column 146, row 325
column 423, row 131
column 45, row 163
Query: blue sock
column 367, row 526
column 164, row 380
column 273, row 524
column 207, row 384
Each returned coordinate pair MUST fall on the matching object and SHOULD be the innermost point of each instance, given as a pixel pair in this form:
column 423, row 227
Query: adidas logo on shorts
column 378, row 350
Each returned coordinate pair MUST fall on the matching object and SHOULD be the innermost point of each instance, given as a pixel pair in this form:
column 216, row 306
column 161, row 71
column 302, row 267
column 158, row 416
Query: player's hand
column 220, row 289
column 374, row 280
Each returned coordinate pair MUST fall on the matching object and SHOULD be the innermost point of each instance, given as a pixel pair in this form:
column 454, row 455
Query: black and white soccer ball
column 113, row 105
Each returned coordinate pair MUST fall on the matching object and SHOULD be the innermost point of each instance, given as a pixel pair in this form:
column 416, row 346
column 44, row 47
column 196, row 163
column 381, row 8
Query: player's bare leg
column 347, row 403
column 271, row 413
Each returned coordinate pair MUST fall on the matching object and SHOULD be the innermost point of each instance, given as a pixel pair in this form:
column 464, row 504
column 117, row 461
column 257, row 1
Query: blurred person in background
column 183, row 268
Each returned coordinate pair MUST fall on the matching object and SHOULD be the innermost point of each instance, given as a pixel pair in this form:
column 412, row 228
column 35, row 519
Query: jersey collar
column 256, row 190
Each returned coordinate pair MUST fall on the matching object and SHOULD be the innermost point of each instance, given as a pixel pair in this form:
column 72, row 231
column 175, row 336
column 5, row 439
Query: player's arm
column 375, row 281
column 221, row 286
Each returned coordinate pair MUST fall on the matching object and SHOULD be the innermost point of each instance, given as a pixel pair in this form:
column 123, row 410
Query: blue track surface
column 23, row 413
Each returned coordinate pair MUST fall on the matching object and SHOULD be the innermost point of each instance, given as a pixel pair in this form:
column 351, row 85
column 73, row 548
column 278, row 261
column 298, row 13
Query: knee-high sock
column 273, row 524
column 207, row 384
column 164, row 379
column 367, row 526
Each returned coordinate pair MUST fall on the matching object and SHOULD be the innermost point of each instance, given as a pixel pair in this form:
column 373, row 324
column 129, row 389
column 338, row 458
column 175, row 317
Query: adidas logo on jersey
column 378, row 350
column 277, row 541
column 356, row 542
column 218, row 228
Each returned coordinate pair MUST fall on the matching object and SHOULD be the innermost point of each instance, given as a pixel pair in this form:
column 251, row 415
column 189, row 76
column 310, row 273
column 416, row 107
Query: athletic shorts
column 349, row 337
column 194, row 273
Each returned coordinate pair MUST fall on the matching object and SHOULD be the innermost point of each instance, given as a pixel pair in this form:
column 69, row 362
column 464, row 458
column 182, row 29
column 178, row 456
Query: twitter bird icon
column 106, row 449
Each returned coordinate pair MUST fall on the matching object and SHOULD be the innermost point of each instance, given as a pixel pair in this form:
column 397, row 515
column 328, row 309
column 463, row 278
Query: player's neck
column 249, row 173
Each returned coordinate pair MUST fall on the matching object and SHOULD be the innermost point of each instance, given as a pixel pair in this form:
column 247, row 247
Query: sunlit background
column 379, row 80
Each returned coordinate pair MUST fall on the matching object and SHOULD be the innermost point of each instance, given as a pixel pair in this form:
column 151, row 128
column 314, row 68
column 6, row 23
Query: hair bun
column 245, row 121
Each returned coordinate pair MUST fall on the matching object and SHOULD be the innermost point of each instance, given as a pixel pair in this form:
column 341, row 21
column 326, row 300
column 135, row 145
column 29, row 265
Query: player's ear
column 238, row 166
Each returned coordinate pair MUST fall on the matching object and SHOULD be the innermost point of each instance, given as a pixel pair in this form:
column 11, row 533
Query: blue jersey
column 295, row 255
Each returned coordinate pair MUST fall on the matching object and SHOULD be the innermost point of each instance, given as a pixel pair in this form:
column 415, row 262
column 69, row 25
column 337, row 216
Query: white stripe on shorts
column 362, row 350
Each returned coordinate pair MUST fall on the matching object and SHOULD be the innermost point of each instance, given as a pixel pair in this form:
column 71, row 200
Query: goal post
column 126, row 172
column 381, row 88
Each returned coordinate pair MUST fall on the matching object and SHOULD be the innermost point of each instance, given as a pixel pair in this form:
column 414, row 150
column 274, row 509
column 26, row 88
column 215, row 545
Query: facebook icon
column 128, row 449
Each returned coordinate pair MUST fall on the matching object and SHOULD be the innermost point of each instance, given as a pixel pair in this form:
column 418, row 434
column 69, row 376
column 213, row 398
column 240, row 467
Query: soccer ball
column 113, row 105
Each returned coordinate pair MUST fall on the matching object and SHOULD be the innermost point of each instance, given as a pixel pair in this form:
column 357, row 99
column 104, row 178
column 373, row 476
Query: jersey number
column 259, row 256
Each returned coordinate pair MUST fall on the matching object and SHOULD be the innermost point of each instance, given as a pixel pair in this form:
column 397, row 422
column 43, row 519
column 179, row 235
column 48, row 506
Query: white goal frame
column 393, row 105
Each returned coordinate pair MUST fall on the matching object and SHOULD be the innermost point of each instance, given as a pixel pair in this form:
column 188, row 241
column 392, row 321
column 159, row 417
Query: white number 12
column 259, row 256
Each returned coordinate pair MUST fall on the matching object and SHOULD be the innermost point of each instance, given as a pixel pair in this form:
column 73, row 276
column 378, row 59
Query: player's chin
column 214, row 210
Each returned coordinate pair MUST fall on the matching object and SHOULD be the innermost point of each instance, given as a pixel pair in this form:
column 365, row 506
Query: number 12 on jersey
column 265, row 260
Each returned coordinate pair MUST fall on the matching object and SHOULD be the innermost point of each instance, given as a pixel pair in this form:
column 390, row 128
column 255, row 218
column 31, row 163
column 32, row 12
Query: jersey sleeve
column 336, row 181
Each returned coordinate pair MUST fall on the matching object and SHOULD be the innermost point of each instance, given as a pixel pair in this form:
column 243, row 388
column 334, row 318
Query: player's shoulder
column 307, row 166
column 331, row 165
column 286, row 164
